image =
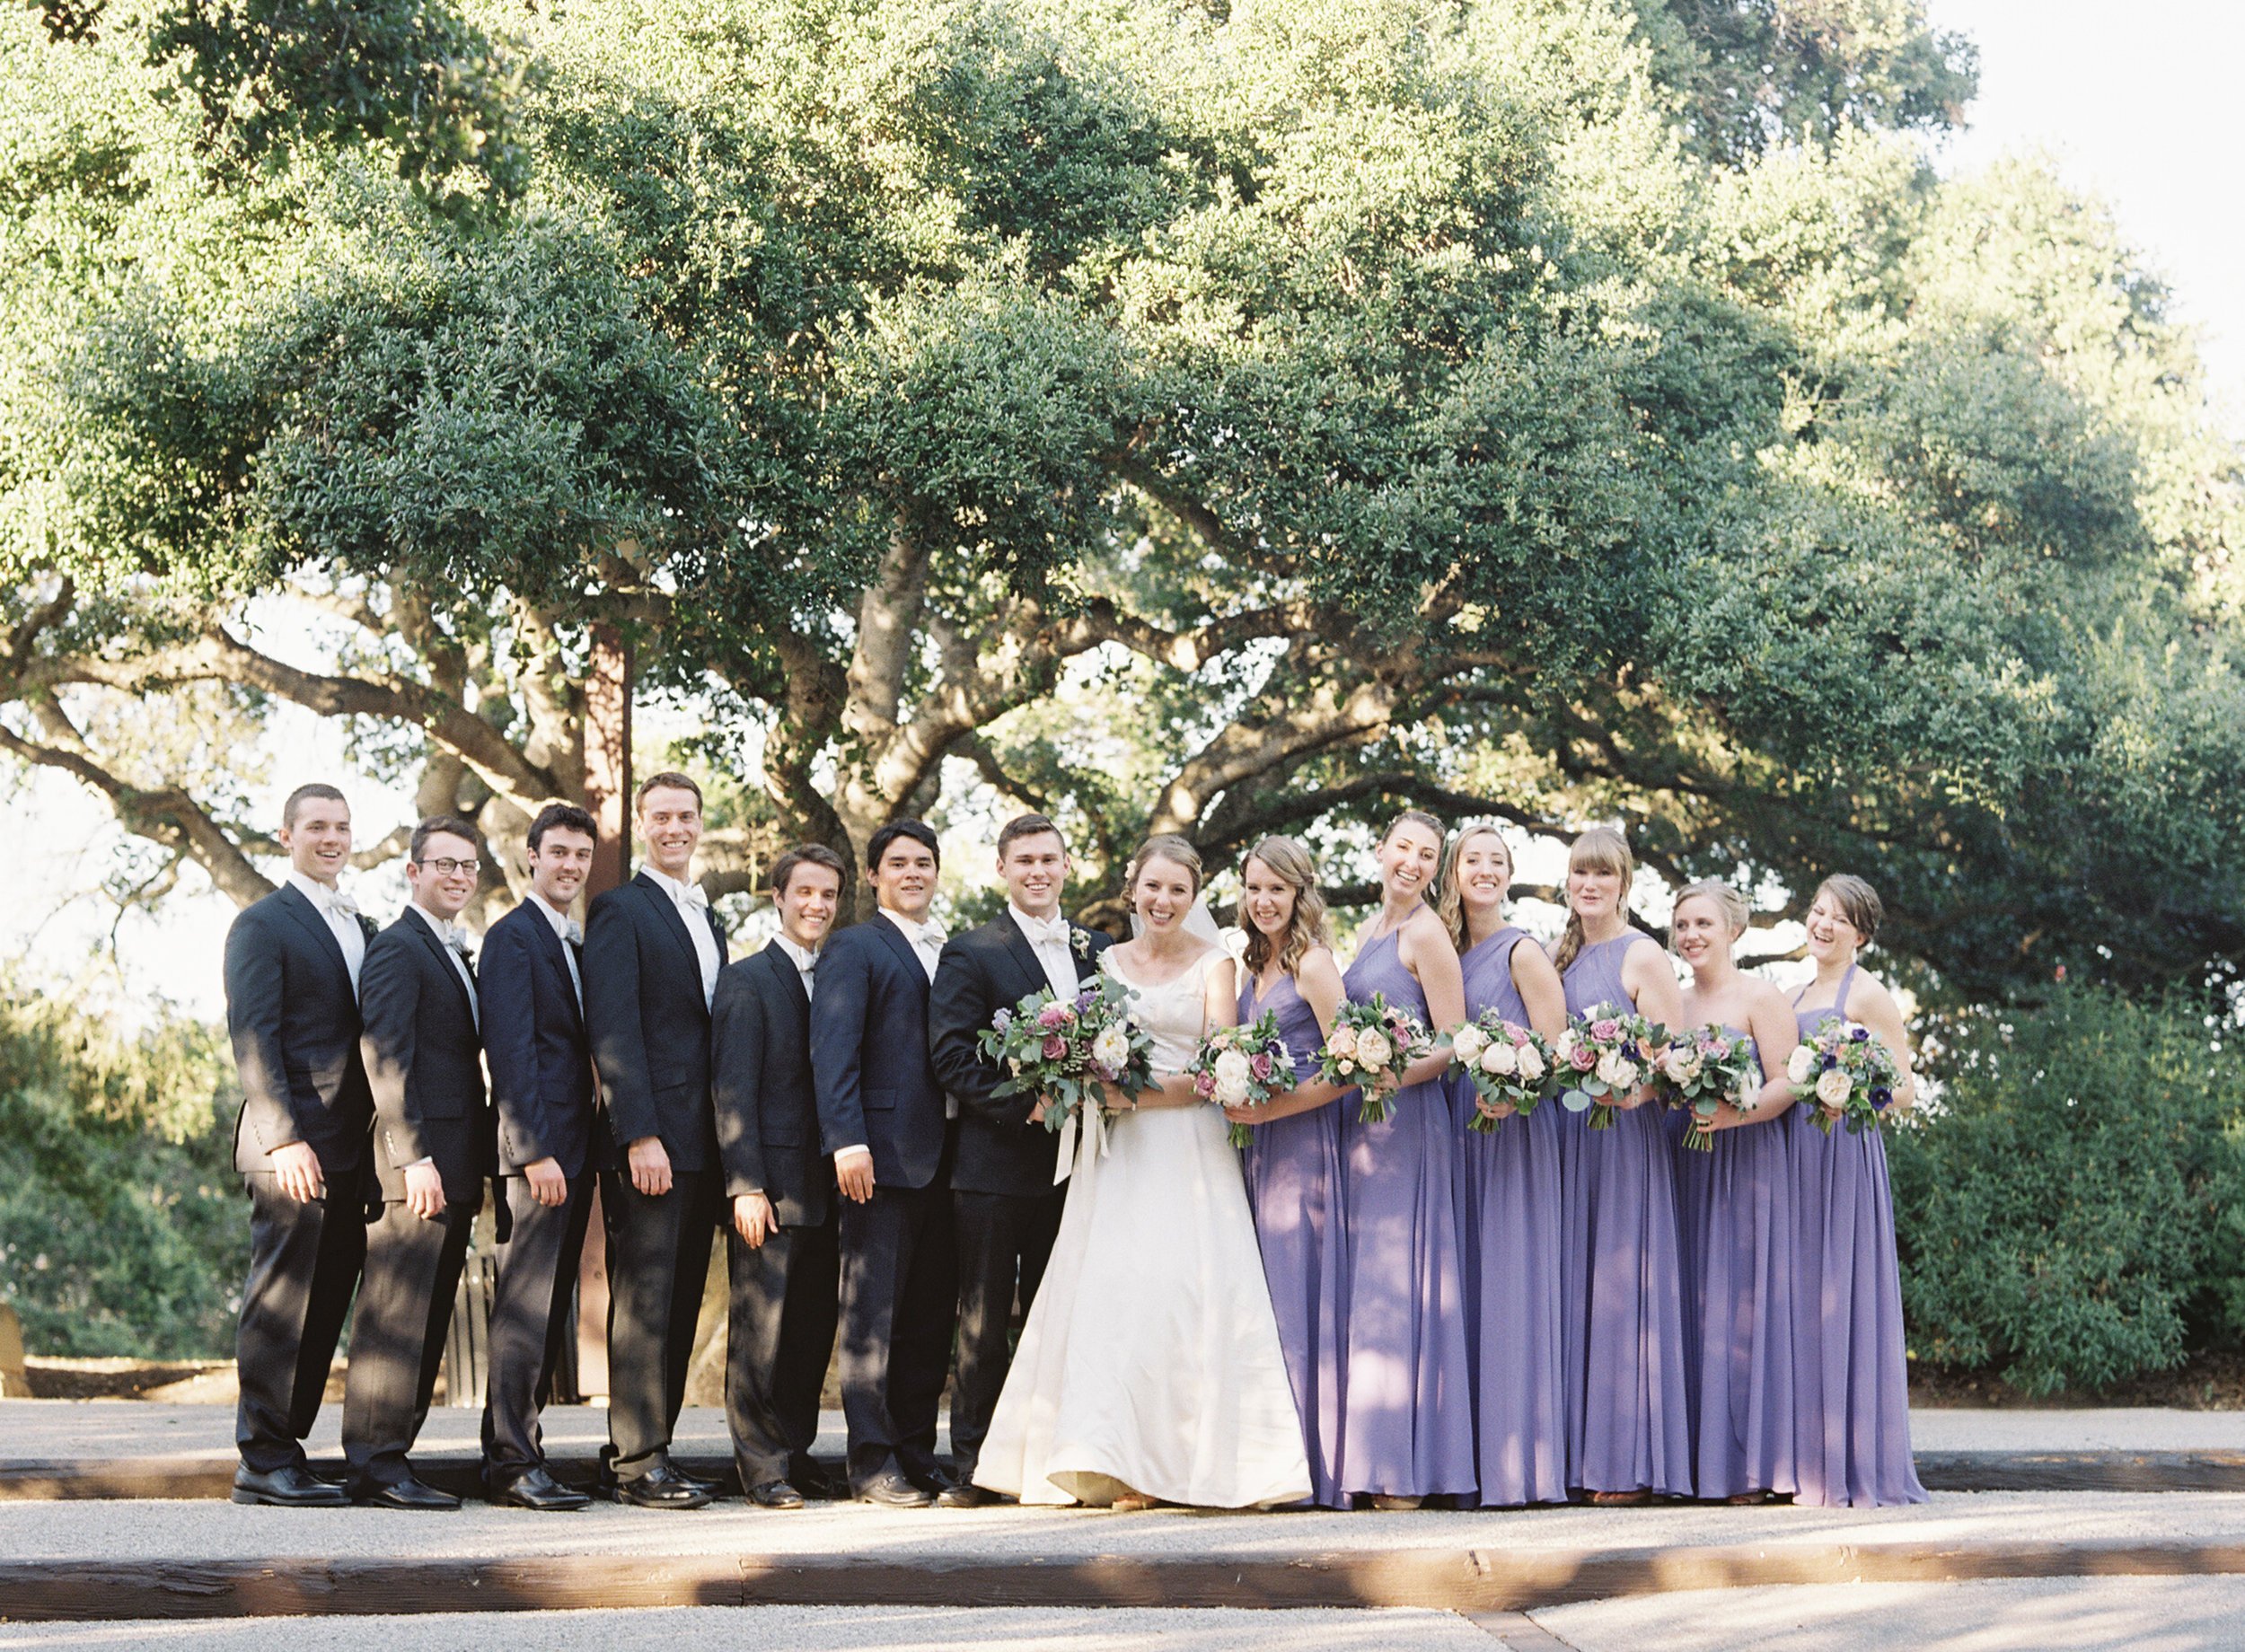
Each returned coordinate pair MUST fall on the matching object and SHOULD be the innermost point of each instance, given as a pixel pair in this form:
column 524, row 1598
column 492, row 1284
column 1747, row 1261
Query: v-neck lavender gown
column 1510, row 1261
column 1629, row 1409
column 1407, row 1393
column 1293, row 1170
column 1853, row 1378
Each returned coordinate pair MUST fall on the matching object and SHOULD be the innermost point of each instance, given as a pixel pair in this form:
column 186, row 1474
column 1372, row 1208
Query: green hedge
column 123, row 1229
column 2072, row 1211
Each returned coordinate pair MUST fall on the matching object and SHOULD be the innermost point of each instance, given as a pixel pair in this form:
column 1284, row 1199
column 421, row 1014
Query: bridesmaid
column 1406, row 1410
column 1293, row 1163
column 1853, row 1382
column 1508, row 1197
column 1736, row 1203
column 1629, row 1415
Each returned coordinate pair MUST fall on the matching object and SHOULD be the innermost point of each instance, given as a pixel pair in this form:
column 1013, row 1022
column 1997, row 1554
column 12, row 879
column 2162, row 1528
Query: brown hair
column 669, row 777
column 808, row 855
column 1308, row 927
column 1858, row 901
column 1602, row 849
column 303, row 795
column 1027, row 826
column 1416, row 817
column 436, row 826
column 1167, row 846
column 562, row 817
column 1451, row 905
column 1735, row 913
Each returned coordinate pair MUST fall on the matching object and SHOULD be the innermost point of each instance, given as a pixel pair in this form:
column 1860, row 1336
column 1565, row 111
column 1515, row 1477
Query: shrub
column 2074, row 1211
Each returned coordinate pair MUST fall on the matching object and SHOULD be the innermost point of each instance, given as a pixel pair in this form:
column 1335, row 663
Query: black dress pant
column 305, row 1263
column 398, row 1339
column 530, row 1320
column 658, row 1260
column 779, row 1335
column 899, row 1292
column 1004, row 1240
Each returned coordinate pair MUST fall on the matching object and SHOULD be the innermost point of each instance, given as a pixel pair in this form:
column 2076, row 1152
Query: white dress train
column 1150, row 1361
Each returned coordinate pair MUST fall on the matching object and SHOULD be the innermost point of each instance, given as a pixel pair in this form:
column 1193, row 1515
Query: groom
column 1006, row 1208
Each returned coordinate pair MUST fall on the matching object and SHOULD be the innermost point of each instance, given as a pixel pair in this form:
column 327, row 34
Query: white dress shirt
column 1049, row 940
column 341, row 913
column 805, row 959
column 693, row 905
column 566, row 928
column 927, row 939
column 454, row 938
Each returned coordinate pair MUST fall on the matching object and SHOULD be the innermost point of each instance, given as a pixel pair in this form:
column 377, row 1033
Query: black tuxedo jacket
column 424, row 1063
column 294, row 1021
column 535, row 1045
column 877, row 1087
column 760, row 1056
column 649, row 1022
column 981, row 973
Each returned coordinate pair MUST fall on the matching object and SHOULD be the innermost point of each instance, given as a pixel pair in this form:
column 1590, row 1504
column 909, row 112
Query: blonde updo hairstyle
column 1309, row 926
column 1169, row 846
column 1451, row 906
column 1735, row 913
column 1602, row 849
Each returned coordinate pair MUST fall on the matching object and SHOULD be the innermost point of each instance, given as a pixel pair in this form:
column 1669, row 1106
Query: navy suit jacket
column 869, row 1061
column 649, row 1022
column 760, row 1044
column 294, row 1021
column 424, row 1062
column 535, row 1045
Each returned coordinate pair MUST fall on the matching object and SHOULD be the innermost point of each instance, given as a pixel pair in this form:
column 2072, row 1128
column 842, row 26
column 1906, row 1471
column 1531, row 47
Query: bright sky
column 2136, row 104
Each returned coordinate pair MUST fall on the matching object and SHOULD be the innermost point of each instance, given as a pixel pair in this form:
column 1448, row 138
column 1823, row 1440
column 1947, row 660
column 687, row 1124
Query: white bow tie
column 1043, row 930
column 695, row 896
column 930, row 934
column 456, row 937
column 341, row 904
column 574, row 933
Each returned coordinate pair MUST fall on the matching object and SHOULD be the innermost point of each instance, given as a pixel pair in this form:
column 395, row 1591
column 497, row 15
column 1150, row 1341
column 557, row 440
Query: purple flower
column 1003, row 1020
column 1055, row 1047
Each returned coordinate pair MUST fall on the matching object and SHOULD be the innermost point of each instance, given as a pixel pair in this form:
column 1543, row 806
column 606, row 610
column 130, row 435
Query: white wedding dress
column 1150, row 1361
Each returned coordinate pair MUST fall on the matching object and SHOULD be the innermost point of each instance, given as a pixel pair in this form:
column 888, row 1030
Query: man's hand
column 853, row 1171
column 296, row 1168
column 753, row 1218
column 424, row 1191
column 650, row 1165
column 548, row 1185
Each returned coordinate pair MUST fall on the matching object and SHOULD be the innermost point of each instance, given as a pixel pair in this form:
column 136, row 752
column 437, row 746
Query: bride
column 1149, row 1370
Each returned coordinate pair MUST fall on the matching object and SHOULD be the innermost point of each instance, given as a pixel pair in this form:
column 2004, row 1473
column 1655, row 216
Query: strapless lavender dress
column 1628, row 1404
column 1407, row 1386
column 1293, row 1170
column 1510, row 1262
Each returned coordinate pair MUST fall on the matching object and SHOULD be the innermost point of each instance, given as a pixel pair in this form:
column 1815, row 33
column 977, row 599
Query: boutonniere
column 1080, row 939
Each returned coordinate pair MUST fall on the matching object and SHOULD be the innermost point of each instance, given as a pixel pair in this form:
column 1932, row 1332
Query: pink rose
column 1205, row 1085
column 1606, row 1029
column 1055, row 1047
column 1052, row 1015
column 1583, row 1058
column 1719, row 1048
column 1261, row 1067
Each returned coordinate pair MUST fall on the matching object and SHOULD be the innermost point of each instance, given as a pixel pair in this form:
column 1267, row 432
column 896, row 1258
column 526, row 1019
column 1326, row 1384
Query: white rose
column 1681, row 1064
column 1373, row 1049
column 1112, row 1048
column 1230, row 1069
column 1231, row 1091
column 1566, row 1048
column 1342, row 1044
column 1800, row 1064
column 1749, row 1093
column 1467, row 1043
column 1531, row 1064
column 1615, row 1072
column 1833, row 1087
column 1500, row 1059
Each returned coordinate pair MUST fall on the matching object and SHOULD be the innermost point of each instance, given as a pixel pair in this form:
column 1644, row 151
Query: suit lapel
column 298, row 907
column 666, row 913
column 557, row 952
column 903, row 948
column 1025, row 957
column 790, row 980
column 445, row 956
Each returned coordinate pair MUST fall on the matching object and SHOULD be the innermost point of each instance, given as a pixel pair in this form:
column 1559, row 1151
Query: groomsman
column 653, row 950
column 542, row 1087
column 781, row 1247
column 292, row 970
column 432, row 1150
column 882, row 1117
column 1005, row 1205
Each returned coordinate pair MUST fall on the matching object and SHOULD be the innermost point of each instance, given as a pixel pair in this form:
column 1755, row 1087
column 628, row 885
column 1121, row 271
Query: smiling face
column 1831, row 937
column 1036, row 870
column 670, row 824
column 1594, row 891
column 808, row 905
column 1409, row 857
column 1267, row 899
column 559, row 865
column 445, row 876
column 1700, row 933
column 1484, row 871
column 904, row 878
column 1162, row 895
column 319, row 840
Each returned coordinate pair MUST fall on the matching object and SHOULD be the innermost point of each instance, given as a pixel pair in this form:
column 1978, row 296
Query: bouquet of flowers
column 1368, row 1041
column 1243, row 1067
column 1060, row 1049
column 1704, row 1069
column 1602, row 1055
column 1851, row 1074
column 1509, row 1065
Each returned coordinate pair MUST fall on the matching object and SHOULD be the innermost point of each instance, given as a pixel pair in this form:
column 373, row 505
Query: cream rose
column 1681, row 1064
column 1342, row 1044
column 1531, row 1064
column 1230, row 1067
column 1500, row 1059
column 1374, row 1050
column 1833, row 1087
column 1112, row 1048
column 1231, row 1091
column 1467, row 1043
column 1801, row 1063
column 1616, row 1072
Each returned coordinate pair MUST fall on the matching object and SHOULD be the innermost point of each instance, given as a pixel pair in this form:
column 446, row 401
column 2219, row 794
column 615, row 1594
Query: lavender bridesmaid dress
column 1293, row 1170
column 1406, row 1387
column 1628, row 1408
column 1510, row 1253
column 1740, row 1246
column 1851, row 1378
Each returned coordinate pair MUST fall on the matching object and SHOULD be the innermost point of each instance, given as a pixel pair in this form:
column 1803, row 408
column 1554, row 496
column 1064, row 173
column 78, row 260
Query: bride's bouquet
column 1062, row 1049
column 1849, row 1071
column 1604, row 1055
column 1509, row 1066
column 1704, row 1069
column 1243, row 1067
column 1368, row 1042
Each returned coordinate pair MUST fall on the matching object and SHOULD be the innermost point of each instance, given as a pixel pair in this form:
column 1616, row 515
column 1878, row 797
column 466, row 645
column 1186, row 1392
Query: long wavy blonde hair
column 1451, row 906
column 1602, row 849
column 1309, row 926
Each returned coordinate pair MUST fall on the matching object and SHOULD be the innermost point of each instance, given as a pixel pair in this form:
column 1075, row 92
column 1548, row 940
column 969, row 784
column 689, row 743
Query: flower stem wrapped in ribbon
column 1243, row 1067
column 1062, row 1049
column 1848, row 1072
column 1509, row 1066
column 1368, row 1041
column 1704, row 1069
column 1604, row 1054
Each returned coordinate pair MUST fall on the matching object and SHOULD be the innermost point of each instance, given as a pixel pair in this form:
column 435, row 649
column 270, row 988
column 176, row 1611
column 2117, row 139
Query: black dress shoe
column 701, row 1483
column 407, row 1493
column 775, row 1494
column 965, row 1494
column 661, row 1487
column 534, row 1488
column 294, row 1486
column 894, row 1491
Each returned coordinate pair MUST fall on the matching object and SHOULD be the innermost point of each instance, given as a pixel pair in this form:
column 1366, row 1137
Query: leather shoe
column 894, row 1491
column 965, row 1494
column 292, row 1486
column 775, row 1494
column 661, row 1487
column 407, row 1493
column 699, row 1483
column 536, row 1488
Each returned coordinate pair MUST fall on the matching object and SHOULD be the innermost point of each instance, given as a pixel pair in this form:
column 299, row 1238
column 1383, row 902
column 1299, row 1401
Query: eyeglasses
column 449, row 868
